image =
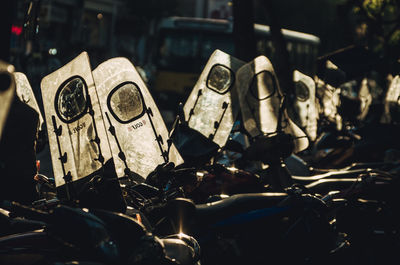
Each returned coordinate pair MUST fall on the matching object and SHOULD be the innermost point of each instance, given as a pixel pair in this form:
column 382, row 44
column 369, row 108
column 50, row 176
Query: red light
column 16, row 30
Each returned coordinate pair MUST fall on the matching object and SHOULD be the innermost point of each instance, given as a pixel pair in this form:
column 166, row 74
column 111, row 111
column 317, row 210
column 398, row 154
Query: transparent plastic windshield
column 26, row 95
column 213, row 105
column 392, row 102
column 303, row 109
column 136, row 131
column 366, row 99
column 329, row 100
column 260, row 101
column 264, row 99
column 77, row 137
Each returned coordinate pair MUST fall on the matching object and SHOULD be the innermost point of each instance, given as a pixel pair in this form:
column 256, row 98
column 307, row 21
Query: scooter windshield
column 213, row 105
column 392, row 102
column 136, row 131
column 366, row 99
column 26, row 95
column 303, row 109
column 7, row 91
column 265, row 100
column 329, row 100
column 260, row 102
column 77, row 136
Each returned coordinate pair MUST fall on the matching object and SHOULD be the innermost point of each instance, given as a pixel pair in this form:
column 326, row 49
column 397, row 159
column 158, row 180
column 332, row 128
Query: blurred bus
column 183, row 46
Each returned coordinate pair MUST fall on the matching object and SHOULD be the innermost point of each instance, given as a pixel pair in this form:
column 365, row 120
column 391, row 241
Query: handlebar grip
column 20, row 210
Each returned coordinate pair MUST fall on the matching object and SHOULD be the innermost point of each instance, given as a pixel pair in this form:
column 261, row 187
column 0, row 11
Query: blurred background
column 170, row 53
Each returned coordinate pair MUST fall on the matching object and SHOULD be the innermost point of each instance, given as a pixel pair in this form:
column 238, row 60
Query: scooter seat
column 239, row 204
column 339, row 174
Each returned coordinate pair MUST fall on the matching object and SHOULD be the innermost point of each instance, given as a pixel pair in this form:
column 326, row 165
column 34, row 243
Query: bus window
column 177, row 50
column 269, row 44
column 188, row 51
column 299, row 48
column 211, row 42
column 260, row 47
column 307, row 49
column 307, row 56
column 269, row 49
column 289, row 46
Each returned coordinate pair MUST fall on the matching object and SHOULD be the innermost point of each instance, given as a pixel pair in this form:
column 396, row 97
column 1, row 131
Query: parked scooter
column 271, row 135
column 19, row 138
column 156, row 197
column 292, row 212
column 136, row 131
column 229, row 228
column 356, row 135
column 68, row 235
column 82, row 161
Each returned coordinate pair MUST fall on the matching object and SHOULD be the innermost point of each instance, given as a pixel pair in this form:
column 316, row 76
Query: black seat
column 237, row 204
column 339, row 174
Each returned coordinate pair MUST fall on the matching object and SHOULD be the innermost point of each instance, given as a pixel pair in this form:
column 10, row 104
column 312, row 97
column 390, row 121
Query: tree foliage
column 318, row 17
column 378, row 24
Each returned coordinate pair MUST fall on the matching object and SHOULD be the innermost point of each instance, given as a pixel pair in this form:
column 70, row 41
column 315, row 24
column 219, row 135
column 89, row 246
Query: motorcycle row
column 250, row 173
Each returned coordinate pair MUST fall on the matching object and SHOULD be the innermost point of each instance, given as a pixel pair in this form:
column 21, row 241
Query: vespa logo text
column 77, row 128
column 139, row 124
